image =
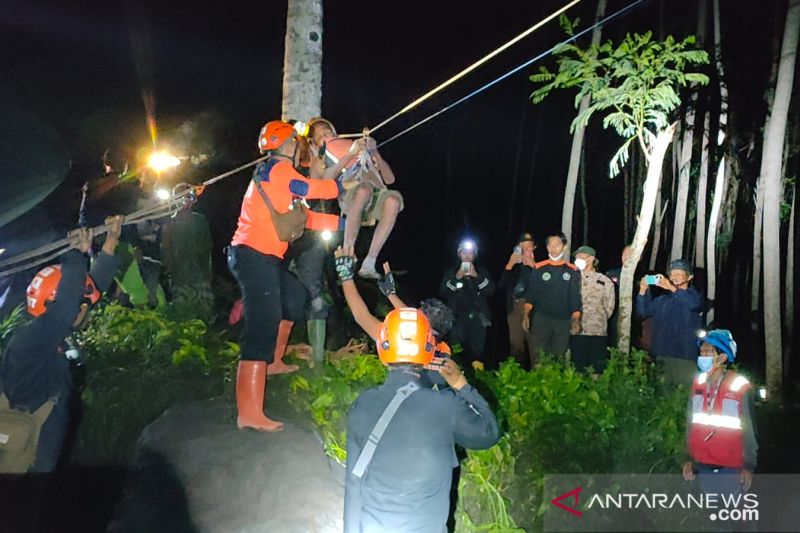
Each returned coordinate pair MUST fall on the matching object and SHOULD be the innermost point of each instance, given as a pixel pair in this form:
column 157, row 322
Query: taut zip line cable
column 512, row 71
column 466, row 71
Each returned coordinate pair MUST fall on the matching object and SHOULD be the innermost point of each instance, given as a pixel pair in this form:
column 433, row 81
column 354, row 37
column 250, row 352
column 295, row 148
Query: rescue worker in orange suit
column 401, row 435
column 273, row 298
column 553, row 293
column 720, row 431
column 35, row 368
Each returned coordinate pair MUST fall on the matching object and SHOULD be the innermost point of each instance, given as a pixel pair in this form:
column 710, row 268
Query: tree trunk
column 660, row 212
column 626, row 173
column 584, row 203
column 758, row 218
column 702, row 198
column 789, row 305
column 711, row 247
column 771, row 171
column 684, row 170
column 728, row 214
column 577, row 143
column 654, row 168
column 302, row 60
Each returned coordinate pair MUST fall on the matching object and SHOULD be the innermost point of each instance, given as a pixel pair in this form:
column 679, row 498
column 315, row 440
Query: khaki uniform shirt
column 597, row 295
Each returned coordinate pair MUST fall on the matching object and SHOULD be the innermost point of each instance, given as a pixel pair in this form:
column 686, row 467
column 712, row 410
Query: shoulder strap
column 264, row 196
column 365, row 458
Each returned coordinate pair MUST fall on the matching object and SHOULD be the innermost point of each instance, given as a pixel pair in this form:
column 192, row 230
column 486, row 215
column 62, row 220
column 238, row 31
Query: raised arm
column 345, row 266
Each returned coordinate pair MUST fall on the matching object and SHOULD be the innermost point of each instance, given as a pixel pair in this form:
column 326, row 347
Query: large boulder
column 194, row 471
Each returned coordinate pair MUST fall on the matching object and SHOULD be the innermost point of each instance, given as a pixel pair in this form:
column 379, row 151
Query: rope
column 464, row 72
column 513, row 71
column 36, row 257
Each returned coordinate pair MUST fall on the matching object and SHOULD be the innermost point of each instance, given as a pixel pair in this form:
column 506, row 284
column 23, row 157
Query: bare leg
column 352, row 222
column 391, row 208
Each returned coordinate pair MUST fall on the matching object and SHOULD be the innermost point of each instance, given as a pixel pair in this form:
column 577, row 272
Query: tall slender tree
column 577, row 140
column 771, row 170
column 635, row 82
column 691, row 123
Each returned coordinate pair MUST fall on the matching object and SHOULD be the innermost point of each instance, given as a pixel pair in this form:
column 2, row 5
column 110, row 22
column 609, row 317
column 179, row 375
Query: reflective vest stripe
column 719, row 421
column 738, row 383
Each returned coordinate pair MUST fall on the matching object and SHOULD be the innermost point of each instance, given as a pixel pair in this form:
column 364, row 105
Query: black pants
column 550, row 335
column 470, row 333
column 589, row 351
column 310, row 263
column 270, row 293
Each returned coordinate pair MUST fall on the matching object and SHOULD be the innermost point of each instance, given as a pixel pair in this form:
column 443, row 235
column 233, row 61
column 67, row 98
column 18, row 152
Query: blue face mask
column 704, row 363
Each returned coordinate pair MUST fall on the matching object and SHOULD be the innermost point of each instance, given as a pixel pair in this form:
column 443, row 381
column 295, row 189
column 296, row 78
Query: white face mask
column 580, row 263
column 556, row 258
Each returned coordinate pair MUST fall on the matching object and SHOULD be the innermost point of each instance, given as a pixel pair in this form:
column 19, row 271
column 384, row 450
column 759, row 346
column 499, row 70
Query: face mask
column 556, row 258
column 580, row 263
column 704, row 363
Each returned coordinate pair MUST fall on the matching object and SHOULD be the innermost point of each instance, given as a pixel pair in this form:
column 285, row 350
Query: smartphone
column 652, row 279
column 465, row 266
column 518, row 250
column 436, row 363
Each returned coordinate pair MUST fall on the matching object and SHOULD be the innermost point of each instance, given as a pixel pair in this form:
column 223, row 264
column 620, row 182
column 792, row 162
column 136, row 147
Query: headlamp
column 301, row 128
column 701, row 333
column 163, row 194
column 467, row 245
column 326, row 235
column 161, row 161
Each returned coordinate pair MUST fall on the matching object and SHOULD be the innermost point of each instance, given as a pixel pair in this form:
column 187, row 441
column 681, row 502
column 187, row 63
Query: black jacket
column 407, row 485
column 33, row 371
column 554, row 289
column 468, row 297
column 514, row 283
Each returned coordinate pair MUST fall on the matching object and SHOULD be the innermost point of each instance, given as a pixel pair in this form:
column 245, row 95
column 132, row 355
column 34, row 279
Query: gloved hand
column 387, row 284
column 345, row 263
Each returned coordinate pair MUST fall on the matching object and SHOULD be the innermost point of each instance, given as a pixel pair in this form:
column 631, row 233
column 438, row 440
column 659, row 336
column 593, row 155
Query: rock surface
column 195, row 471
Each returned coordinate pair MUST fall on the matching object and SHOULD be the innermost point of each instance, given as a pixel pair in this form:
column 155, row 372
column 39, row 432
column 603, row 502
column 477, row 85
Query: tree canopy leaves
column 637, row 81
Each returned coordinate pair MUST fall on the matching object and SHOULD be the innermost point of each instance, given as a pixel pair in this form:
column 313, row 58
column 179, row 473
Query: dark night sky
column 76, row 66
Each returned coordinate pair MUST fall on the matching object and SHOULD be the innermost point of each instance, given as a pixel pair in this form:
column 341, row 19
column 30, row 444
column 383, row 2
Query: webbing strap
column 383, row 422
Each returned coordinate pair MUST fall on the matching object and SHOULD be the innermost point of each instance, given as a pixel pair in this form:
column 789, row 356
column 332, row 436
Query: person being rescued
column 273, row 298
column 367, row 200
column 35, row 369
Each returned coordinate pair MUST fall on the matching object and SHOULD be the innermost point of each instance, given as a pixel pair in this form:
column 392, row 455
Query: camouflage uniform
column 597, row 295
column 589, row 347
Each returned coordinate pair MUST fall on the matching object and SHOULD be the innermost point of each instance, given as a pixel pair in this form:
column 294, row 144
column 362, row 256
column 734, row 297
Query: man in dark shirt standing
column 400, row 456
column 676, row 315
column 466, row 289
column 554, row 296
column 33, row 369
column 513, row 282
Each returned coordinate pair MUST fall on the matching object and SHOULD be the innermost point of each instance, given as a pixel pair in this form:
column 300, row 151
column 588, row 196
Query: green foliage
column 328, row 394
column 635, row 82
column 555, row 420
column 558, row 420
column 140, row 362
column 15, row 318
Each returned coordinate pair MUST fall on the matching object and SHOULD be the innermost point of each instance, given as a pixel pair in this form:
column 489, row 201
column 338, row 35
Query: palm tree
column 636, row 83
column 302, row 60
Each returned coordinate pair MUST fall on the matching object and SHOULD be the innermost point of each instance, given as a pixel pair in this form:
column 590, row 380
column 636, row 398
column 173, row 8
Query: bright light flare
column 701, row 333
column 161, row 161
column 762, row 393
column 326, row 235
column 2, row 251
column 163, row 194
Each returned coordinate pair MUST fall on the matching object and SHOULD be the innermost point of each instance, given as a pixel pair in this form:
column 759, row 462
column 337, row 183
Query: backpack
column 289, row 225
column 19, row 436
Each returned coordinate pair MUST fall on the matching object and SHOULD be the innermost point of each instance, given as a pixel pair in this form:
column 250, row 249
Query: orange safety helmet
column 44, row 286
column 274, row 134
column 327, row 122
column 405, row 337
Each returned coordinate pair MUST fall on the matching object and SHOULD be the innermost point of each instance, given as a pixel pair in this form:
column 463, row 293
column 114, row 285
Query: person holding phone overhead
column 466, row 289
column 676, row 316
column 513, row 282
